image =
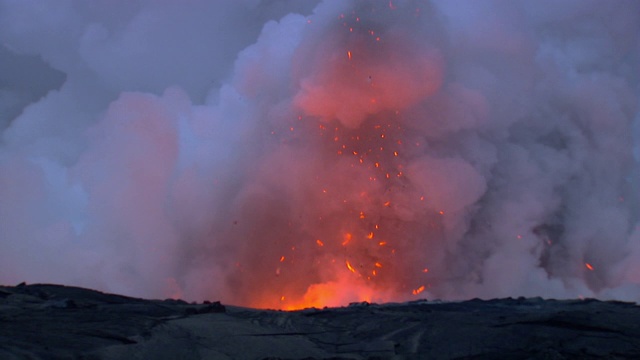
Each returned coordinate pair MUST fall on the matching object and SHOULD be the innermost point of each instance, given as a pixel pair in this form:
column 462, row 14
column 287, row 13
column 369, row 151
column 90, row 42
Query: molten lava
column 353, row 184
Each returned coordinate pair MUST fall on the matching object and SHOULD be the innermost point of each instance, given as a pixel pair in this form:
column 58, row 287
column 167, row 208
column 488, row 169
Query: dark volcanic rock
column 50, row 322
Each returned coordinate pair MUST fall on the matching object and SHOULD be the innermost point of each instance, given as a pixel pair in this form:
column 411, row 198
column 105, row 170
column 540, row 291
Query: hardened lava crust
column 52, row 322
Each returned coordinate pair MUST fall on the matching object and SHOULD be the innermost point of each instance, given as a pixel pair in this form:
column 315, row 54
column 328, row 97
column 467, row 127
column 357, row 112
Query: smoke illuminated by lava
column 287, row 154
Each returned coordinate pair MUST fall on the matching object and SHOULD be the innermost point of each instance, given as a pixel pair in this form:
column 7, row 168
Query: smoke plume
column 306, row 153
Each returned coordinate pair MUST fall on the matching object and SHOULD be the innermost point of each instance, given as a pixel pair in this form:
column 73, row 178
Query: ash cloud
column 292, row 153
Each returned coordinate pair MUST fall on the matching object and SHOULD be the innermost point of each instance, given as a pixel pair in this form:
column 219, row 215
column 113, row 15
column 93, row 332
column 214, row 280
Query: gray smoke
column 294, row 153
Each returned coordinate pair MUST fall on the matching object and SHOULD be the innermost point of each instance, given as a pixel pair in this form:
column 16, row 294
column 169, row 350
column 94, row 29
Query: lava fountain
column 344, row 214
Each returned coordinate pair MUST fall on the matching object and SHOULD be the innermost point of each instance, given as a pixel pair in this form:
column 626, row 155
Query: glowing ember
column 350, row 267
column 418, row 290
column 588, row 266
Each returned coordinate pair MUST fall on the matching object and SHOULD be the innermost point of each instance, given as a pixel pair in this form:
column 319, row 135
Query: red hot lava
column 340, row 216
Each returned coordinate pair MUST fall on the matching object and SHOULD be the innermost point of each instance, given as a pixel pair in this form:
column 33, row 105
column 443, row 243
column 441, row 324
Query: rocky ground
column 59, row 322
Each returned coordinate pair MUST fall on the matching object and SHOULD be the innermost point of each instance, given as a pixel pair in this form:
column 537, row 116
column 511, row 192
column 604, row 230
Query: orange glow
column 589, row 266
column 333, row 293
column 418, row 290
column 351, row 112
column 347, row 238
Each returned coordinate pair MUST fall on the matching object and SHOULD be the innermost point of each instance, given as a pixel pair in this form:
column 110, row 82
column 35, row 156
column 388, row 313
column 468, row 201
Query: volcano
column 302, row 153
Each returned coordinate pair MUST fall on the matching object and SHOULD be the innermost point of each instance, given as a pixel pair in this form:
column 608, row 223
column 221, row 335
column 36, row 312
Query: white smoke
column 248, row 150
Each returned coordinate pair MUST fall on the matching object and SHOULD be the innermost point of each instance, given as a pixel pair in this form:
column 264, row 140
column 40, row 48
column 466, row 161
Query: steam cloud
column 274, row 153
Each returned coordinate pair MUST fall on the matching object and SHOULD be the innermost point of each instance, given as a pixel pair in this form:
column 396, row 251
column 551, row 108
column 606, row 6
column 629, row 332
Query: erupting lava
column 355, row 226
column 286, row 154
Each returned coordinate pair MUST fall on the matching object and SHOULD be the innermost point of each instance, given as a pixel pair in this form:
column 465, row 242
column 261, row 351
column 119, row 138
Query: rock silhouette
column 51, row 322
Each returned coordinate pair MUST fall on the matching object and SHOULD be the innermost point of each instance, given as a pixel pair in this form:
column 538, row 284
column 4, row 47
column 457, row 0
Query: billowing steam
column 295, row 153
